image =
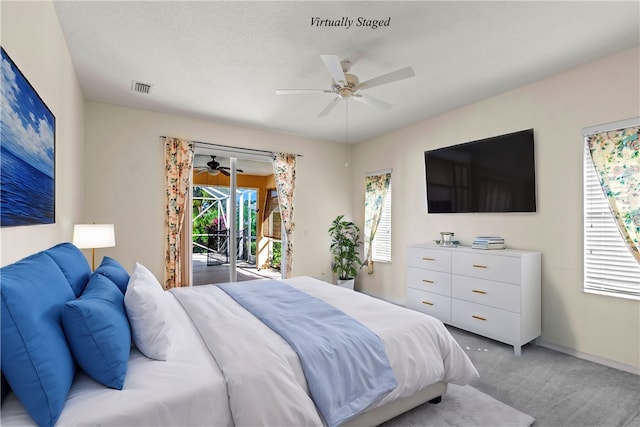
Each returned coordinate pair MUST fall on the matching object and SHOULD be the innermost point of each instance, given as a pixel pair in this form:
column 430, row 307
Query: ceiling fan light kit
column 213, row 168
column 347, row 86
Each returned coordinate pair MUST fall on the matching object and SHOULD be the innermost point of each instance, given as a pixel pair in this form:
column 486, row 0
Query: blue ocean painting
column 27, row 152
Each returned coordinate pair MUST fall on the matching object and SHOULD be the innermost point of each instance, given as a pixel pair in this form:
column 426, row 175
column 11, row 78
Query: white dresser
column 494, row 293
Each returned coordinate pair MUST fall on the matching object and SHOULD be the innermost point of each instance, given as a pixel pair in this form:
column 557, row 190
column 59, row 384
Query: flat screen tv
column 488, row 175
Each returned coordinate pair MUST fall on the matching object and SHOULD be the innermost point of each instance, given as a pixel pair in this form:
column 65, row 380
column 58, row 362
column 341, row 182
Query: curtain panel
column 616, row 158
column 284, row 168
column 179, row 155
column 376, row 188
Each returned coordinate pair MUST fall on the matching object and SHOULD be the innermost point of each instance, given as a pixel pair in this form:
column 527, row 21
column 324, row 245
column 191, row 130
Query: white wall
column 557, row 108
column 125, row 181
column 32, row 37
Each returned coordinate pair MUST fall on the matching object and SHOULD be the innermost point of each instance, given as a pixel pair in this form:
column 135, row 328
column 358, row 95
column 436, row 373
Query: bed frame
column 377, row 416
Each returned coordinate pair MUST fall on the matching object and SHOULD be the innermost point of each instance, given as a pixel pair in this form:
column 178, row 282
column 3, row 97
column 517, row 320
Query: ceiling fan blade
column 201, row 171
column 224, row 172
column 329, row 107
column 220, row 168
column 369, row 100
column 393, row 76
column 335, row 68
column 300, row 91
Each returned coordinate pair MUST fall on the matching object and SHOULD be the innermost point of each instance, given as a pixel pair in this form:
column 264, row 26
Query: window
column 609, row 267
column 381, row 246
column 377, row 218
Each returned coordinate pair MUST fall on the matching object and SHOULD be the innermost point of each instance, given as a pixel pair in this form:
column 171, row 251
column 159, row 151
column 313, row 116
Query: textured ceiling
column 222, row 61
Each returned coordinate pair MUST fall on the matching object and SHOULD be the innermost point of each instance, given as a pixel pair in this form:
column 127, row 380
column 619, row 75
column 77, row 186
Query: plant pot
column 346, row 283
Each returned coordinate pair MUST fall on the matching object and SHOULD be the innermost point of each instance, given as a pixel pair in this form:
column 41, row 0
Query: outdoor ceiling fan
column 346, row 85
column 213, row 168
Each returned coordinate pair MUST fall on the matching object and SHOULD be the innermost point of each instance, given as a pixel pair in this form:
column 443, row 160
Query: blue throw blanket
column 345, row 364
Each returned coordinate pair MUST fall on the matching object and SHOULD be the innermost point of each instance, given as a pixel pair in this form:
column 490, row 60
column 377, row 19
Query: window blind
column 609, row 267
column 381, row 247
column 271, row 219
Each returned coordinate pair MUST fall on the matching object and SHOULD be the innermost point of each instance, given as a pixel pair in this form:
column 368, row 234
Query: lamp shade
column 94, row 236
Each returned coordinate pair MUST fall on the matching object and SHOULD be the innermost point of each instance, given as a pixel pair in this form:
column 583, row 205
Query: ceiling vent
column 140, row 87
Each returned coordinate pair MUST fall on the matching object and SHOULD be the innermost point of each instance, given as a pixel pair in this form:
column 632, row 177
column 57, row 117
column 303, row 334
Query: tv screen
column 488, row 175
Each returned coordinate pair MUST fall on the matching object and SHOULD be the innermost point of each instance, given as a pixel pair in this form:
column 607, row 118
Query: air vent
column 140, row 87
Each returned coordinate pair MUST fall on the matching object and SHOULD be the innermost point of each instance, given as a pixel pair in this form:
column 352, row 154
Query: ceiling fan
column 213, row 168
column 348, row 86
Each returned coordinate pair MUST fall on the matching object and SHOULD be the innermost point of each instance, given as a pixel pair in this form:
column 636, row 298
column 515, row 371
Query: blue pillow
column 98, row 331
column 73, row 265
column 112, row 269
column 36, row 360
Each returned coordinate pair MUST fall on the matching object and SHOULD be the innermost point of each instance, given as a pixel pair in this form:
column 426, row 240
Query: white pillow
column 148, row 312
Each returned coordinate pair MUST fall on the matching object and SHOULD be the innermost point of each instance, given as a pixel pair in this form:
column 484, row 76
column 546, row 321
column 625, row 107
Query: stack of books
column 488, row 242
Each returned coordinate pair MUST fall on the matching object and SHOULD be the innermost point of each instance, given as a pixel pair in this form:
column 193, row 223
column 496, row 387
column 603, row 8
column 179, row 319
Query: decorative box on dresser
column 494, row 293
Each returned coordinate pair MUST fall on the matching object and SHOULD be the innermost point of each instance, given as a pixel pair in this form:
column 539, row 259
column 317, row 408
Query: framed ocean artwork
column 27, row 152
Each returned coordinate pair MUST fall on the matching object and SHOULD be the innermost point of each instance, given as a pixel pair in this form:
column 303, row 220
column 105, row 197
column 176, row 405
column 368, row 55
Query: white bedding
column 265, row 381
column 189, row 388
column 419, row 347
column 186, row 390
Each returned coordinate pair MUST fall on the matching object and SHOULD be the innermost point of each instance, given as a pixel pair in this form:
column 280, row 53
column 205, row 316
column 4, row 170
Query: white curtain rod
column 232, row 148
column 380, row 172
column 606, row 127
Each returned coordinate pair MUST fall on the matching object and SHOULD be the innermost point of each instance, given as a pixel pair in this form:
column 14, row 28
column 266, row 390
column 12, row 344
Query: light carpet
column 463, row 406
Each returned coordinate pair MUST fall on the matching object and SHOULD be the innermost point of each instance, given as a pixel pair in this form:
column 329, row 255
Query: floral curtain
column 376, row 188
column 284, row 167
column 178, row 169
column 616, row 157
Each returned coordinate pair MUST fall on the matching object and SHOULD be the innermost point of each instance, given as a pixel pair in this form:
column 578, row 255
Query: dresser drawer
column 432, row 259
column 435, row 305
column 487, row 266
column 488, row 321
column 495, row 294
column 429, row 280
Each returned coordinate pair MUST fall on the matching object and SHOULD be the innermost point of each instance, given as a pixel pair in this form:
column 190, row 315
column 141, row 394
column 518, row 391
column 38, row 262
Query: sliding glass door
column 229, row 194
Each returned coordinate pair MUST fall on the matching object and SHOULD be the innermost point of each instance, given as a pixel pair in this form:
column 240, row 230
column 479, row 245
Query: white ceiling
column 223, row 60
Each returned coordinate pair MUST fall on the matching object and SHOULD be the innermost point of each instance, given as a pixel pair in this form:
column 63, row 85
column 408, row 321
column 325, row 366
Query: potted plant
column 345, row 243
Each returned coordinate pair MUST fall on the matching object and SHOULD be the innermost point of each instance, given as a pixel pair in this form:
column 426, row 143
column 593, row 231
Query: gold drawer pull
column 477, row 291
column 479, row 317
column 480, row 266
column 427, row 302
column 427, row 281
column 428, row 259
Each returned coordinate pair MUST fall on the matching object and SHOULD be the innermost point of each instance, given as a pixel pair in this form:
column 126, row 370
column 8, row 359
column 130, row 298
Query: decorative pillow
column 36, row 360
column 146, row 305
column 73, row 264
column 98, row 331
column 112, row 269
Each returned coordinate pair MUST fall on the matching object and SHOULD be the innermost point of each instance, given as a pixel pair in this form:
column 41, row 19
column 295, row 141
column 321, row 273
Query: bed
column 191, row 387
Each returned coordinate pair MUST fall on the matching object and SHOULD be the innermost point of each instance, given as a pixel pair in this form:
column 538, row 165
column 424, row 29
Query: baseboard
column 592, row 358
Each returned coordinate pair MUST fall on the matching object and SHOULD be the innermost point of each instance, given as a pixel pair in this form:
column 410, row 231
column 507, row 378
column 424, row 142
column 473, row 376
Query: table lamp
column 92, row 236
